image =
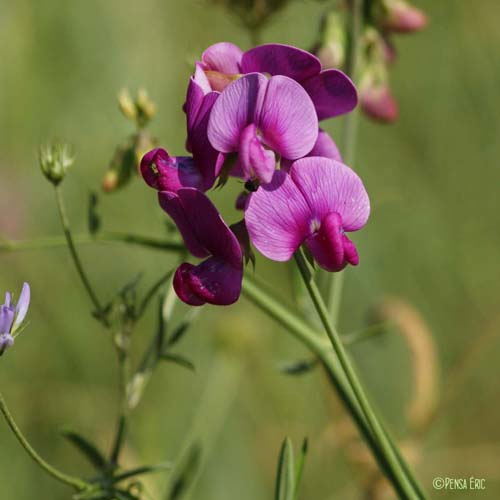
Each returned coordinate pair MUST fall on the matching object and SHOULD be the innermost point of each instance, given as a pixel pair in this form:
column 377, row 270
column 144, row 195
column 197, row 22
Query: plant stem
column 398, row 471
column 307, row 336
column 76, row 259
column 86, row 238
column 349, row 136
column 75, row 482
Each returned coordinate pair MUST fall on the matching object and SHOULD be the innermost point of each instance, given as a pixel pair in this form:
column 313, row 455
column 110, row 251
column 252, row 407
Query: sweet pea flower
column 12, row 316
column 170, row 173
column 217, row 280
column 331, row 91
column 316, row 203
column 257, row 116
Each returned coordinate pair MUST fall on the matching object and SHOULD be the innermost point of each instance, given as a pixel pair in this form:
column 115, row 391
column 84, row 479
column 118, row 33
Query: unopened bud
column 127, row 105
column 378, row 102
column 331, row 48
column 145, row 107
column 401, row 17
column 55, row 159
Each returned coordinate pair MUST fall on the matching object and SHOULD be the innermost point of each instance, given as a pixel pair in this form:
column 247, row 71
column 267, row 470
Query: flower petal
column 213, row 281
column 287, row 119
column 332, row 93
column 21, row 307
column 6, row 319
column 234, row 110
column 277, row 218
column 198, row 87
column 330, row 186
column 170, row 173
column 171, row 204
column 255, row 161
column 325, row 146
column 224, row 57
column 278, row 59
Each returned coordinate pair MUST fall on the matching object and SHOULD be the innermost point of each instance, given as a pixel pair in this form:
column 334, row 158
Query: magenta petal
column 213, row 281
column 288, row 120
column 325, row 146
column 167, row 173
column 350, row 253
column 234, row 110
column 332, row 93
column 329, row 186
column 170, row 202
column 326, row 245
column 277, row 59
column 255, row 161
column 224, row 57
column 277, row 218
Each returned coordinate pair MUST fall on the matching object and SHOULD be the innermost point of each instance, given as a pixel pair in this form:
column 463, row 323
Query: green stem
column 398, row 474
column 86, row 238
column 76, row 259
column 310, row 339
column 75, row 482
column 349, row 136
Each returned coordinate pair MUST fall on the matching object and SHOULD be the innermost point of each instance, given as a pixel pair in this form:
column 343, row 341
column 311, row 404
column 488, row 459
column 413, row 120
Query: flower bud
column 127, row 105
column 400, row 17
column 331, row 48
column 378, row 102
column 55, row 159
column 146, row 108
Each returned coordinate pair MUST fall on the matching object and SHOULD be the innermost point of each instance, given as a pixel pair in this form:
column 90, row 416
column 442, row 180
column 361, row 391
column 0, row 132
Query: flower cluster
column 12, row 316
column 382, row 20
column 255, row 116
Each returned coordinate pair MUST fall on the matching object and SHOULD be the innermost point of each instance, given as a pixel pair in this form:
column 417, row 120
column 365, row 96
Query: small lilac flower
column 316, row 204
column 170, row 173
column 217, row 280
column 331, row 91
column 11, row 317
column 256, row 116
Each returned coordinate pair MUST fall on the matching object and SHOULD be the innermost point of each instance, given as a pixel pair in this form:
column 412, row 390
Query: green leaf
column 94, row 219
column 285, row 479
column 299, row 367
column 299, row 468
column 186, row 473
column 146, row 469
column 87, row 448
column 179, row 360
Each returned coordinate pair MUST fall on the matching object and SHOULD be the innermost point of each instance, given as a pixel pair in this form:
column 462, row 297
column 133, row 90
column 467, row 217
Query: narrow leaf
column 284, row 489
column 94, row 219
column 299, row 367
column 179, row 360
column 146, row 469
column 299, row 468
column 186, row 473
column 87, row 448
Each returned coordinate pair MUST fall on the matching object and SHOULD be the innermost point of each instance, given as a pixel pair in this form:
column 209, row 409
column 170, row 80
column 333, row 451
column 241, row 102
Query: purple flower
column 257, row 116
column 331, row 91
column 11, row 317
column 170, row 173
column 316, row 204
column 217, row 280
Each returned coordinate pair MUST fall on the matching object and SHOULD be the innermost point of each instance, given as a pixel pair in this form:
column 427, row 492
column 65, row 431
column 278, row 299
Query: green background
column 432, row 241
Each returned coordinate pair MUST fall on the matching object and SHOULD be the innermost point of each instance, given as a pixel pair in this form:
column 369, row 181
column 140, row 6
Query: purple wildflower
column 11, row 317
column 316, row 203
column 331, row 91
column 217, row 280
column 257, row 116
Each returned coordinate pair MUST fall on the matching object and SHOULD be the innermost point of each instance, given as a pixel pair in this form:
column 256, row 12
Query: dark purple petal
column 236, row 108
column 332, row 93
column 224, row 57
column 171, row 204
column 198, row 87
column 21, row 307
column 287, row 118
column 277, row 59
column 326, row 244
column 241, row 201
column 214, row 281
column 277, row 218
column 329, row 186
column 170, row 173
column 255, row 161
column 6, row 319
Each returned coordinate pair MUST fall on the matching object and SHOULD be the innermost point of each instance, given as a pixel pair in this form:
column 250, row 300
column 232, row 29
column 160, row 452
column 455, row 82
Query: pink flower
column 315, row 204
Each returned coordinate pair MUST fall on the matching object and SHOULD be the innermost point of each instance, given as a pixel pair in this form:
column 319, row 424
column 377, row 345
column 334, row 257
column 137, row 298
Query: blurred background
column 429, row 259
